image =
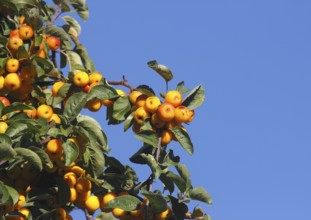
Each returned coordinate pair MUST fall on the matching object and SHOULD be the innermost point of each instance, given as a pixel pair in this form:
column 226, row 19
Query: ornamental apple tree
column 53, row 159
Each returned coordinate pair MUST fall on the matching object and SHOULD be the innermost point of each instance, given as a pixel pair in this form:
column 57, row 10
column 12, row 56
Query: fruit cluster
column 162, row 115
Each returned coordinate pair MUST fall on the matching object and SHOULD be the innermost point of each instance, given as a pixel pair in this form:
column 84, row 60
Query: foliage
column 53, row 159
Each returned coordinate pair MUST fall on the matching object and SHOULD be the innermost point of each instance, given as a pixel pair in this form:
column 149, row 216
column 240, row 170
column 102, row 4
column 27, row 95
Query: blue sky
column 252, row 134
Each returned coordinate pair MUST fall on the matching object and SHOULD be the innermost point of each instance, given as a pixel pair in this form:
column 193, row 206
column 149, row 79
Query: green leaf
column 197, row 213
column 157, row 201
column 168, row 183
column 73, row 23
column 162, row 70
column 94, row 132
column 71, row 152
column 200, row 194
column 87, row 62
column 169, row 159
column 30, row 156
column 181, row 88
column 16, row 106
column 82, row 8
column 102, row 92
column 45, row 64
column 195, row 98
column 16, row 129
column 146, row 90
column 104, row 216
column 95, row 164
column 9, row 196
column 22, row 53
column 183, row 138
column 153, row 164
column 125, row 202
column 61, row 34
column 6, row 150
column 63, row 91
column 148, row 137
column 179, row 182
column 137, row 158
column 74, row 60
column 179, row 208
column 43, row 155
column 184, row 173
column 121, row 108
column 128, row 121
column 74, row 105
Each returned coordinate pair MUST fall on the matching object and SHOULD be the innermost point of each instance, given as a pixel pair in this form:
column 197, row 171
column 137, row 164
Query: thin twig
column 88, row 215
column 122, row 83
column 56, row 14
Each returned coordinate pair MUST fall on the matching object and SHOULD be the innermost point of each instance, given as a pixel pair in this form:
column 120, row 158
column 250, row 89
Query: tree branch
column 56, row 14
column 122, row 83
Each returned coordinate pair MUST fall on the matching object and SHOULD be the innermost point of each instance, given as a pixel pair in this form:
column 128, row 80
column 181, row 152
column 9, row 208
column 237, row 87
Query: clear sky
column 252, row 135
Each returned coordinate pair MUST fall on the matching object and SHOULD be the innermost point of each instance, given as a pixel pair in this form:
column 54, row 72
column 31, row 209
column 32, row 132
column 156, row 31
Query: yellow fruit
column 92, row 203
column 141, row 115
column 107, row 102
column 3, row 127
column 81, row 79
column 120, row 92
column 191, row 116
column 70, row 178
column 133, row 96
column 118, row 213
column 82, row 197
column 167, row 137
column 25, row 32
column 44, row 111
column 163, row 215
column 1, row 82
column 41, row 53
column 152, row 103
column 173, row 97
column 83, row 185
column 21, row 19
column 73, row 194
column 31, row 113
column 136, row 127
column 53, row 42
column 54, row 149
column 141, row 100
column 60, row 214
column 156, row 121
column 95, row 77
column 77, row 170
column 12, row 65
column 56, row 87
column 14, row 43
column 21, row 201
column 55, row 118
column 68, row 217
column 107, row 198
column 94, row 105
column 12, row 81
column 25, row 211
column 182, row 114
column 166, row 112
